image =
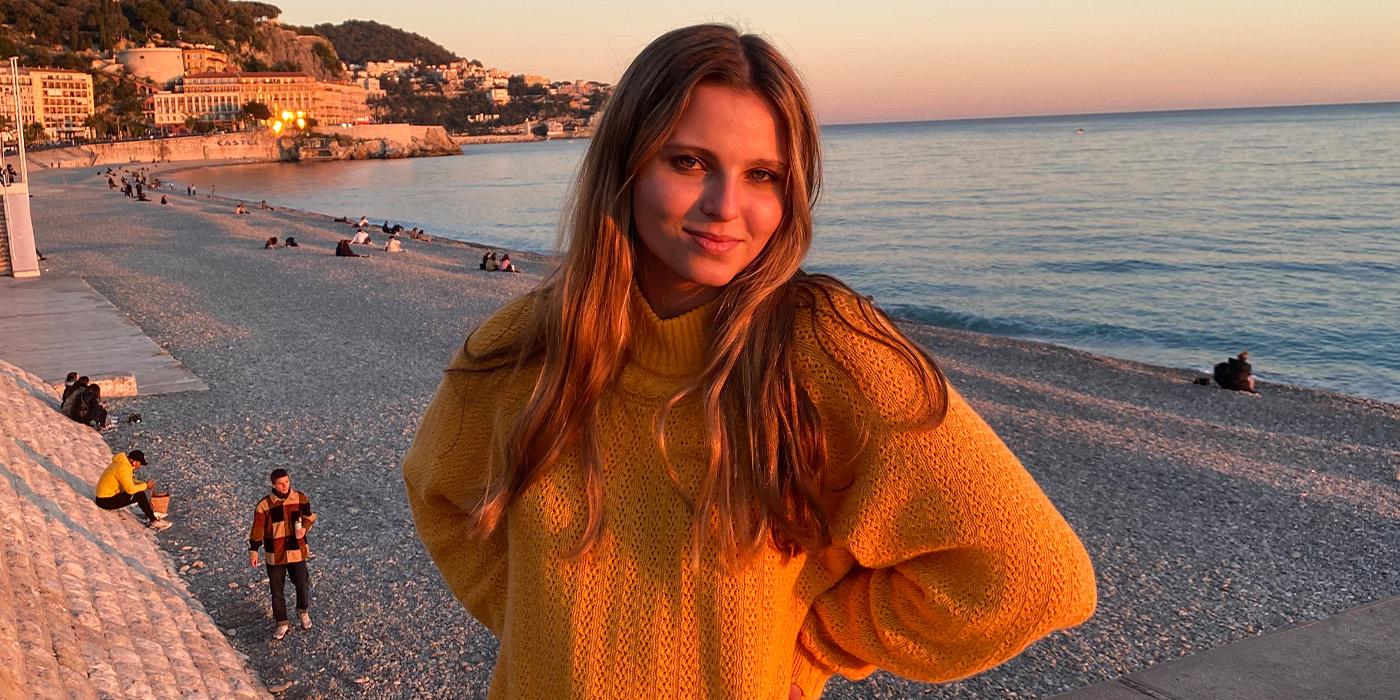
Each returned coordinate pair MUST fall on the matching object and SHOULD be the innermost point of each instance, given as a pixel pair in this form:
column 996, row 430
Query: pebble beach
column 1210, row 515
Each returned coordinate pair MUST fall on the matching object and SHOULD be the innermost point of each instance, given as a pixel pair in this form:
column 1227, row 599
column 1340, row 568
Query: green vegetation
column 361, row 41
column 257, row 111
column 51, row 32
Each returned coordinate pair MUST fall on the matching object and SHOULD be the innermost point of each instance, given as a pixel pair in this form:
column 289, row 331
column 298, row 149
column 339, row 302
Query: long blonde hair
column 768, row 452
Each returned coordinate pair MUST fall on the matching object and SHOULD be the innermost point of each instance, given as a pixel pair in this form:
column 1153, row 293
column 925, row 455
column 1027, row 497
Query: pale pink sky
column 883, row 60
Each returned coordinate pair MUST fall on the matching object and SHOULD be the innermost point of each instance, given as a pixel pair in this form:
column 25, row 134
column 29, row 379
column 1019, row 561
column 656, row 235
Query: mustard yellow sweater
column 947, row 558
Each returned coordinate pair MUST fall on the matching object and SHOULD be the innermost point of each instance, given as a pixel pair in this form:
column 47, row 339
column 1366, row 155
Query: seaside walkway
column 53, row 325
column 1353, row 655
column 89, row 605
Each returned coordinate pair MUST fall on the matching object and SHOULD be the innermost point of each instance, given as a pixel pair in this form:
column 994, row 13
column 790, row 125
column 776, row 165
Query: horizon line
column 1173, row 110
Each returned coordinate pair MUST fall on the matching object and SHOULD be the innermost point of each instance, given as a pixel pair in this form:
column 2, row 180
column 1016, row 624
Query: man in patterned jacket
column 280, row 523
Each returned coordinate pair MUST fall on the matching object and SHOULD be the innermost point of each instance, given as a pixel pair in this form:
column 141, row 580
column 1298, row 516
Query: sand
column 1210, row 515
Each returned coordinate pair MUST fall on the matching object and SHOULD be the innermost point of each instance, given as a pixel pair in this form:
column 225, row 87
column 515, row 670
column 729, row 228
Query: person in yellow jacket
column 118, row 488
column 685, row 468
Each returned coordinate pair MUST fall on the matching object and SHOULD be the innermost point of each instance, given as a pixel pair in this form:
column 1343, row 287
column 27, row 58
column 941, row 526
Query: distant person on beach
column 280, row 523
column 361, row 238
column 506, row 265
column 69, row 382
column 680, row 435
column 291, row 243
column 386, row 228
column 118, row 488
column 342, row 250
column 1236, row 374
column 488, row 261
column 364, row 221
column 111, row 184
column 163, row 200
column 240, row 209
column 270, row 243
column 264, row 205
column 394, row 245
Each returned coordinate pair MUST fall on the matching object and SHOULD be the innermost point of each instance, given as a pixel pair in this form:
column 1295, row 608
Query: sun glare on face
column 706, row 205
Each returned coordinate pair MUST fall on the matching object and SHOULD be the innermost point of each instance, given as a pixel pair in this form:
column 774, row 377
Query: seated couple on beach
column 1236, row 374
column 361, row 238
column 504, row 264
column 272, row 243
column 82, row 402
column 342, row 250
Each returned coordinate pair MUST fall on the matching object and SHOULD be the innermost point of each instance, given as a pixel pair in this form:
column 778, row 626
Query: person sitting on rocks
column 240, row 209
column 488, row 260
column 361, row 238
column 506, row 265
column 163, row 200
column 394, row 245
column 68, row 383
column 291, row 243
column 1236, row 374
column 342, row 250
column 264, row 205
column 118, row 488
column 386, row 228
column 70, row 395
column 364, row 221
column 88, row 409
column 270, row 243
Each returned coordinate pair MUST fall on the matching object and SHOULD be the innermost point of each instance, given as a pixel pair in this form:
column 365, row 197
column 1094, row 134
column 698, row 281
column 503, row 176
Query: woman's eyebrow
column 707, row 154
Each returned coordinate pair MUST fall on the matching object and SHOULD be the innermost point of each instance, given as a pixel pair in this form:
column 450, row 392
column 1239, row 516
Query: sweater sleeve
column 957, row 560
column 258, row 532
column 445, row 474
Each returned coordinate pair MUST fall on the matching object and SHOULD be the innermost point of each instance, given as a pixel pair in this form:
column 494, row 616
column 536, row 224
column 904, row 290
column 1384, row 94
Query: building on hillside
column 60, row 100
column 499, row 95
column 220, row 97
column 204, row 59
column 160, row 65
column 379, row 69
column 533, row 79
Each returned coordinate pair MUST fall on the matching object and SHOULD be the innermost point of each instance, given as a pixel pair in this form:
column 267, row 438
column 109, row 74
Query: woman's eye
column 763, row 176
column 686, row 162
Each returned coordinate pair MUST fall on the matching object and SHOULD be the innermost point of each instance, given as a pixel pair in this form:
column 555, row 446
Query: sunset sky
column 882, row 60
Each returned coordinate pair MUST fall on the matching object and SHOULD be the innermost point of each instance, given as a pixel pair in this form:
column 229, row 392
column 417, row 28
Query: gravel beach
column 1210, row 515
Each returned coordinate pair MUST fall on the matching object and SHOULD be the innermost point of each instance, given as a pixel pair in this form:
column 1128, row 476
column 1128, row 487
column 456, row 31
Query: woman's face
column 707, row 203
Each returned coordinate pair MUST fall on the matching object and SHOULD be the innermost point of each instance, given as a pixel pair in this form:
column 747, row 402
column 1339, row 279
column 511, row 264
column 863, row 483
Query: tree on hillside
column 361, row 41
column 257, row 111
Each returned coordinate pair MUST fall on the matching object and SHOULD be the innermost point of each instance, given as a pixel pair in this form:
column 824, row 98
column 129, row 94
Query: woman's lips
column 710, row 242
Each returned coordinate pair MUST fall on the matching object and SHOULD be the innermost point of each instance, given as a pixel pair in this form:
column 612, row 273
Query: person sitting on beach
column 87, row 408
column 111, row 184
column 163, row 200
column 271, row 243
column 70, row 395
column 364, row 221
column 342, row 250
column 1236, row 374
column 394, row 245
column 506, row 265
column 361, row 238
column 68, row 383
column 487, row 258
column 264, row 205
column 342, row 219
column 240, row 209
column 386, row 228
column 118, row 488
column 291, row 243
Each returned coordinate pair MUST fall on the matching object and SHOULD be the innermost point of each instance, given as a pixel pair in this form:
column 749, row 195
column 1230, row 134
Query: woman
column 683, row 467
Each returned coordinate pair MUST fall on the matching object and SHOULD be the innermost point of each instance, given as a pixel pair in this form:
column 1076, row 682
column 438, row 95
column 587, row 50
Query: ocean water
column 1171, row 238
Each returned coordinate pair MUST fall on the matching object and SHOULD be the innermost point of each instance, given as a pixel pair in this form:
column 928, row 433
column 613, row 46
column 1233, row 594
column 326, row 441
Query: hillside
column 361, row 41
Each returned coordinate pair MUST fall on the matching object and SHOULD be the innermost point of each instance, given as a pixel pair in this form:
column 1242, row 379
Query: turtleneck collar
column 675, row 346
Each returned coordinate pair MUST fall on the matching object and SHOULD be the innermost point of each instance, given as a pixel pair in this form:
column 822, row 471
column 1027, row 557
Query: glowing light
column 301, row 123
column 286, row 116
column 277, row 127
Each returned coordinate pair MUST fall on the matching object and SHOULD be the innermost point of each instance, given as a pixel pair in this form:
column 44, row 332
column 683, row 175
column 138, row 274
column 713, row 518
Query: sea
column 1173, row 238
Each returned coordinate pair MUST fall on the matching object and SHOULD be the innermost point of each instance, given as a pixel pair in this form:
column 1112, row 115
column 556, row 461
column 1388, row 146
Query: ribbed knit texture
column 947, row 558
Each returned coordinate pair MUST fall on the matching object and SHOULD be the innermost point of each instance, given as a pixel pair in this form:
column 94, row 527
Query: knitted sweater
column 946, row 560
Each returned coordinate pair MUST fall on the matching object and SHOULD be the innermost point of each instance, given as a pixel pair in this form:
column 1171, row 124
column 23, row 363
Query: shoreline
column 174, row 168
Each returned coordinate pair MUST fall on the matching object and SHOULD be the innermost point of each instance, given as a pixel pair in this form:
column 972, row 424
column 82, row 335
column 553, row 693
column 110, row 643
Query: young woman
column 683, row 467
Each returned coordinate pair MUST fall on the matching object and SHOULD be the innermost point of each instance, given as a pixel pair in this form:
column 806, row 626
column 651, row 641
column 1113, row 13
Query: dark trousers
column 277, row 578
column 122, row 500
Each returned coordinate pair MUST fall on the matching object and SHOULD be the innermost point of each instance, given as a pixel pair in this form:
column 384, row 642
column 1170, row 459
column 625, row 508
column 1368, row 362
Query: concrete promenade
column 89, row 605
column 53, row 325
column 1354, row 655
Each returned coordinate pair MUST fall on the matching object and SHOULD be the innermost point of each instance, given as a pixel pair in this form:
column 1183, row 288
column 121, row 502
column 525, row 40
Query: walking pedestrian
column 280, row 522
